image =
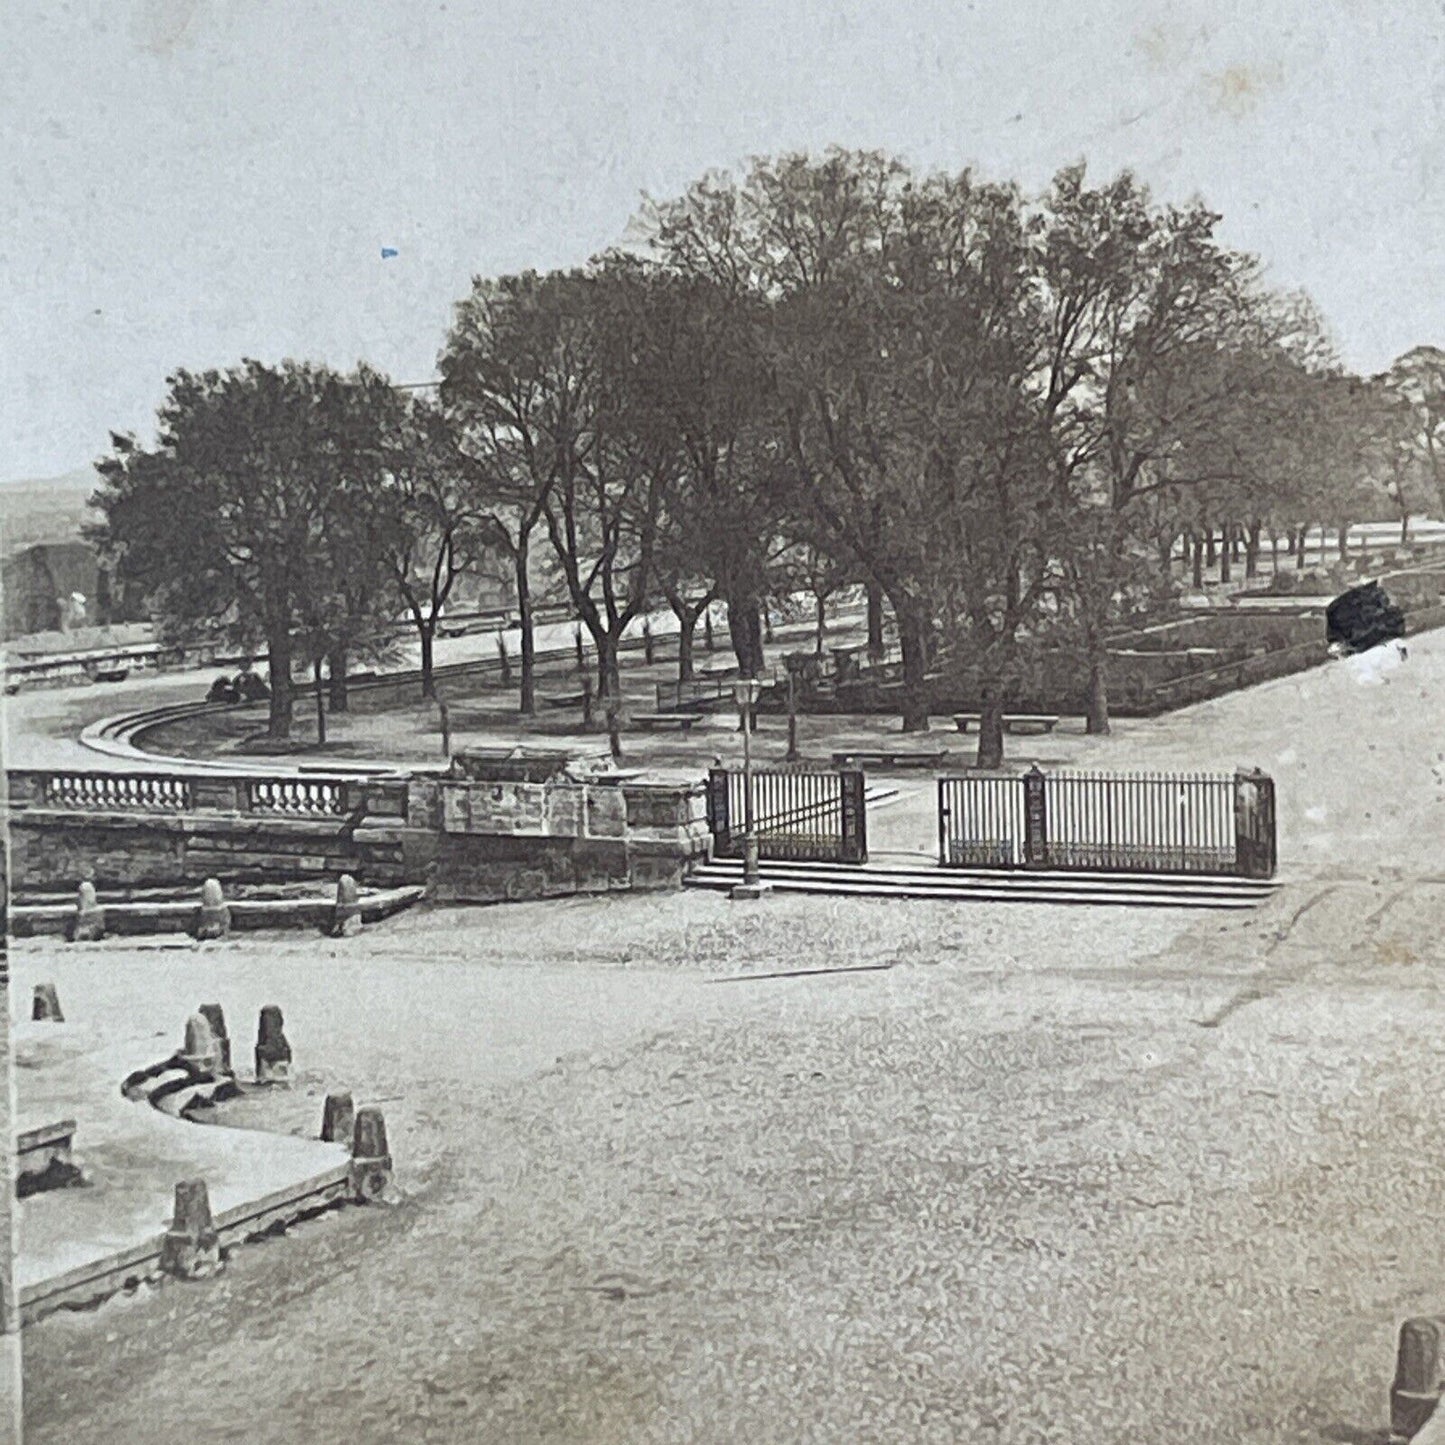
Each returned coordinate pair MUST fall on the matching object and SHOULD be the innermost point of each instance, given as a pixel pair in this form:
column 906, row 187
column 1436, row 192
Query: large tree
column 236, row 517
column 431, row 521
column 515, row 382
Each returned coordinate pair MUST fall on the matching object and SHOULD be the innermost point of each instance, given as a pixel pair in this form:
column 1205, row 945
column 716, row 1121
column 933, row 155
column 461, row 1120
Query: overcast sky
column 193, row 181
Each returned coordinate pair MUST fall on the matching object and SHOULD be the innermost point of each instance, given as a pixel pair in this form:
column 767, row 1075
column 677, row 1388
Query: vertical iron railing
column 980, row 822
column 1110, row 822
column 799, row 817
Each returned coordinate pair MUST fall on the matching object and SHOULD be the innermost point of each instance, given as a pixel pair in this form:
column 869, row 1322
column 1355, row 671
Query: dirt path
column 1038, row 1180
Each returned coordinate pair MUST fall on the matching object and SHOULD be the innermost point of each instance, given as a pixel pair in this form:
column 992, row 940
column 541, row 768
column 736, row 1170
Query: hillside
column 44, row 509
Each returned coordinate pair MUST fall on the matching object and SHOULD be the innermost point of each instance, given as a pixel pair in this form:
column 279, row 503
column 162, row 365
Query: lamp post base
column 749, row 892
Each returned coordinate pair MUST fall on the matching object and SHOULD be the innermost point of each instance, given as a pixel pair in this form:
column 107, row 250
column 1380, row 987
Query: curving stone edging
column 179, row 1088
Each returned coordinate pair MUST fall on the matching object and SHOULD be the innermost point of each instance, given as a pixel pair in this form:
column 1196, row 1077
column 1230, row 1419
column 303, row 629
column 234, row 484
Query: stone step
column 994, row 886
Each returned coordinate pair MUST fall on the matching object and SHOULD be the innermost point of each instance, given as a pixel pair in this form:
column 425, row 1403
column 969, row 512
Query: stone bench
column 1012, row 722
column 43, row 1158
column 885, row 758
column 652, row 721
column 571, row 699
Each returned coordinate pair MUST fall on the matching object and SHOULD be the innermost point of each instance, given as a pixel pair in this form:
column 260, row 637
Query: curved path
column 66, row 727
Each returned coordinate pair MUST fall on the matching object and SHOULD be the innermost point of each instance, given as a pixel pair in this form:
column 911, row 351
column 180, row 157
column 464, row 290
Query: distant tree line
column 1002, row 416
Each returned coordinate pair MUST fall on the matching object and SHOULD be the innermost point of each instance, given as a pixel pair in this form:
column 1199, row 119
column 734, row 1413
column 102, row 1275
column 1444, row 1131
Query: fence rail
column 1110, row 822
column 300, row 796
column 117, row 792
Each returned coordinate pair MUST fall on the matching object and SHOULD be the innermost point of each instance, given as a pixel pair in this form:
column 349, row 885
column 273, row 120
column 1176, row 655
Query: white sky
column 193, row 181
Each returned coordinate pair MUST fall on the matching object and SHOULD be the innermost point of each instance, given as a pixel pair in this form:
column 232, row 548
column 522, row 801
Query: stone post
column 192, row 1249
column 1416, row 1391
column 89, row 922
column 370, row 1157
column 338, row 1119
column 273, row 1053
column 45, row 1007
column 346, row 916
column 212, row 1014
column 200, row 1049
column 214, row 919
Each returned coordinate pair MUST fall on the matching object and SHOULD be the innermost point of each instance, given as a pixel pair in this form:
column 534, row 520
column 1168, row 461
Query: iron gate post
column 718, row 820
column 1255, row 837
column 1036, row 822
column 854, row 844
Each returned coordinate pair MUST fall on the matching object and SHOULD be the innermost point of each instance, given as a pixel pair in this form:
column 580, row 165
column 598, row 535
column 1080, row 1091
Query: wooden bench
column 1012, row 722
column 571, row 699
column 651, row 721
column 865, row 758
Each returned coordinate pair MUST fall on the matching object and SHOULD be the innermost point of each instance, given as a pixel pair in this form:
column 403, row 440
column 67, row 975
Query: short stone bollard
column 46, row 1005
column 370, row 1158
column 212, row 1014
column 192, row 1249
column 338, row 1119
column 200, row 1050
column 273, row 1053
column 88, row 925
column 1418, row 1381
column 346, row 916
column 214, row 920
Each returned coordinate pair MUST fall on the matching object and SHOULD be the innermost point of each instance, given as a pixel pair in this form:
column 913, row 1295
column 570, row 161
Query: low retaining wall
column 465, row 840
column 504, row 841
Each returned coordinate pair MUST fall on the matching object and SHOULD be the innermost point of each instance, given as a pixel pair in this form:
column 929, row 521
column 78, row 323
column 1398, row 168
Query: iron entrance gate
column 1110, row 822
column 801, row 817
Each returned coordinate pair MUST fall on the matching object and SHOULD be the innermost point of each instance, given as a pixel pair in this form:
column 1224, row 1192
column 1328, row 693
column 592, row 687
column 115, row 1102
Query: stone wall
column 465, row 840
column 500, row 841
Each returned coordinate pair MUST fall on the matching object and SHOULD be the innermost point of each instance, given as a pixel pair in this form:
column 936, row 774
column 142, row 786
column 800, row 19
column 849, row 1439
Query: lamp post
column 745, row 692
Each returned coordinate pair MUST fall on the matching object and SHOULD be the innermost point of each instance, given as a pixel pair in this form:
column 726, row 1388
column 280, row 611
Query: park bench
column 887, row 758
column 571, row 699
column 651, row 721
column 108, row 674
column 1012, row 722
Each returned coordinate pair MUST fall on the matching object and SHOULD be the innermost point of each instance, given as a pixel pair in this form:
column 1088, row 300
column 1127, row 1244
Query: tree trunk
column 1344, row 540
column 338, row 696
column 820, row 617
column 1251, row 551
column 707, row 637
column 1236, row 540
column 426, row 635
column 1166, row 557
column 1299, row 551
column 746, row 634
column 278, row 723
column 915, row 665
column 1404, row 529
column 686, row 628
column 1226, row 556
column 528, row 700
column 320, row 708
column 1197, row 561
column 1210, row 555
column 609, row 690
column 1274, row 551
column 1288, row 542
column 875, row 622
column 1096, row 714
column 990, row 729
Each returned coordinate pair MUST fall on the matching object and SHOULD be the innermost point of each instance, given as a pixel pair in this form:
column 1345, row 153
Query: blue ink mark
column 387, row 252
